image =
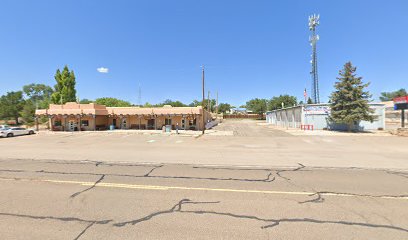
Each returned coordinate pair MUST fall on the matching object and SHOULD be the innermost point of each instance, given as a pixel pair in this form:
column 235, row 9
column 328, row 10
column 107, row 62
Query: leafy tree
column 85, row 101
column 173, row 103
column 38, row 94
column 224, row 107
column 65, row 87
column 112, row 102
column 11, row 105
column 309, row 101
column 147, row 105
column 257, row 105
column 276, row 102
column 349, row 102
column 195, row 103
column 389, row 96
column 28, row 112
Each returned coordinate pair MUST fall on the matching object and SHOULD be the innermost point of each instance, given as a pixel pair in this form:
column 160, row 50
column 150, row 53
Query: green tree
column 195, row 103
column 38, row 94
column 11, row 105
column 112, row 102
column 65, row 87
column 349, row 102
column 276, row 102
column 173, row 103
column 389, row 96
column 257, row 105
column 309, row 101
column 147, row 105
column 28, row 112
column 85, row 101
column 224, row 107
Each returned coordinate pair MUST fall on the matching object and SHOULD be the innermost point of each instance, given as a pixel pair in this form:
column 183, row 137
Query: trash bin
column 168, row 128
column 112, row 127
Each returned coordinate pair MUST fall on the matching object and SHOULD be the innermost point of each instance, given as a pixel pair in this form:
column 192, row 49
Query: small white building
column 316, row 116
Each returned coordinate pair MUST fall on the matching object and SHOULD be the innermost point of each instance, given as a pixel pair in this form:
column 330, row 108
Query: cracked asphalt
column 44, row 199
column 88, row 196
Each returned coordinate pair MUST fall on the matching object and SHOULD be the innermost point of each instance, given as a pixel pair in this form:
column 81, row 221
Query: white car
column 4, row 127
column 15, row 131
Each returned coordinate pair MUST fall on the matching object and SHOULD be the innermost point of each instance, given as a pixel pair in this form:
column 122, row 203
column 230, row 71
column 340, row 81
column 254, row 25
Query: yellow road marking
column 166, row 188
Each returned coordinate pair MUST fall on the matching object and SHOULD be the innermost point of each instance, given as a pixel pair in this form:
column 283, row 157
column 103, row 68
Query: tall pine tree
column 349, row 103
column 65, row 87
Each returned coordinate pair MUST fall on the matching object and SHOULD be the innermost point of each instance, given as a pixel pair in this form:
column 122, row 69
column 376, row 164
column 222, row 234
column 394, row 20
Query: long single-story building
column 315, row 116
column 90, row 117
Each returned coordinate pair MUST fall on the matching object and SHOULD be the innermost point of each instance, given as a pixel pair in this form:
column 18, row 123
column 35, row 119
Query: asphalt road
column 99, row 200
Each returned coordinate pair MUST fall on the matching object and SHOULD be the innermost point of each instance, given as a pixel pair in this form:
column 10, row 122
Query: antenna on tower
column 314, row 21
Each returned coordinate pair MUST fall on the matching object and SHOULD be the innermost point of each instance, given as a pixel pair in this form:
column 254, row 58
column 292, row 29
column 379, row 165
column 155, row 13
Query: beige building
column 90, row 117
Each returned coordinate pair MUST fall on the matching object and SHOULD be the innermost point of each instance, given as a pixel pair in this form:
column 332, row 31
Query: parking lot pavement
column 252, row 145
column 49, row 199
column 249, row 128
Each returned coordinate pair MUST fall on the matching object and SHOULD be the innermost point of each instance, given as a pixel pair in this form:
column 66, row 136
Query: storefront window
column 85, row 123
column 57, row 123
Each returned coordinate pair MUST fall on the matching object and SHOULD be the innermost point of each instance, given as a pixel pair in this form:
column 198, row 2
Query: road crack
column 175, row 208
column 83, row 231
column 267, row 222
column 87, row 189
column 278, row 172
column 63, row 219
column 154, row 168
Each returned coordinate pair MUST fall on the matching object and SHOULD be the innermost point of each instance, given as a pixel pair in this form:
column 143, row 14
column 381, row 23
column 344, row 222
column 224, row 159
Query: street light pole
column 203, row 103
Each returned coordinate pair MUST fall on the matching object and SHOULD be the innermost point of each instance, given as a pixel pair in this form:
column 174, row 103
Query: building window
column 84, row 123
column 167, row 121
column 57, row 123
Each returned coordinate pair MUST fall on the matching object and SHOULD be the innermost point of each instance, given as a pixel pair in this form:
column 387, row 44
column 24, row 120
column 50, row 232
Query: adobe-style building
column 94, row 117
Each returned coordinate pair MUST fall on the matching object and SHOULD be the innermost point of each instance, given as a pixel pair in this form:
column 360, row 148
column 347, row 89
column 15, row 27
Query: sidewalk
column 141, row 132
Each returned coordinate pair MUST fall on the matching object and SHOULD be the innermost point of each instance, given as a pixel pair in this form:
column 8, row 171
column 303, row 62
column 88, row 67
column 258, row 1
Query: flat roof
column 72, row 108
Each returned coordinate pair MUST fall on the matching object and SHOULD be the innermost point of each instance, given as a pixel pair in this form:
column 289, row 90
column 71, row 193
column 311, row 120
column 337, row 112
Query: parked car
column 4, row 127
column 15, row 131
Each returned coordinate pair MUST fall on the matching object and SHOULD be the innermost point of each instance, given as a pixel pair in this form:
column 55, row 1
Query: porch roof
column 101, row 110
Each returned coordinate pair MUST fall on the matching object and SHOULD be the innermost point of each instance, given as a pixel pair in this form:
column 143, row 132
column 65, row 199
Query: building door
column 183, row 123
column 114, row 122
column 71, row 125
column 150, row 124
column 124, row 123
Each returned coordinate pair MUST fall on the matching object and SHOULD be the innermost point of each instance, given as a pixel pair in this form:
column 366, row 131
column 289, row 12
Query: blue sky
column 250, row 48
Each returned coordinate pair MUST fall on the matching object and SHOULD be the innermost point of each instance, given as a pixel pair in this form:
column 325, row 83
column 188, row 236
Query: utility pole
column 203, row 117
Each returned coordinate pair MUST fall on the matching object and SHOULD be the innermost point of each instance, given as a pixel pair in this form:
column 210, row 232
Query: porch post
column 36, row 123
column 140, row 121
column 79, row 123
column 64, row 125
column 155, row 122
column 50, row 122
column 94, row 122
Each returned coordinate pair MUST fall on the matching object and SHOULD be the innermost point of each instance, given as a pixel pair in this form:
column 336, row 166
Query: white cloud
column 103, row 70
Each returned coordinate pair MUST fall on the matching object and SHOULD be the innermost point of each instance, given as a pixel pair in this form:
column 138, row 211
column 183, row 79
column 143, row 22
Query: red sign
column 400, row 100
